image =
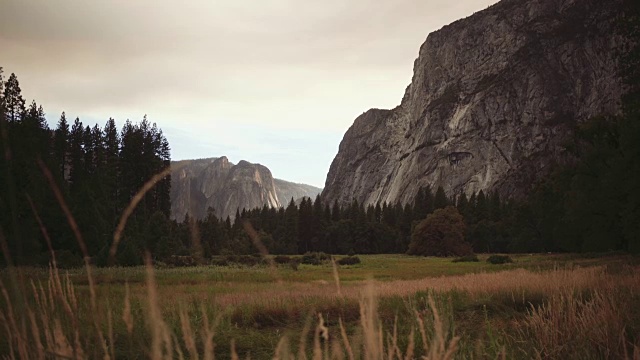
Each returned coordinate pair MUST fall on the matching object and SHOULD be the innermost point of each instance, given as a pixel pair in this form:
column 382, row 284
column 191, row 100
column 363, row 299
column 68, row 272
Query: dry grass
column 53, row 327
column 584, row 313
column 517, row 282
column 579, row 325
column 371, row 342
column 576, row 321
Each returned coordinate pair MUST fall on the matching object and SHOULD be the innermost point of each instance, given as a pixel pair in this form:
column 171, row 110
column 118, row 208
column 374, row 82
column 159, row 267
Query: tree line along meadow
column 589, row 204
column 96, row 170
column 58, row 186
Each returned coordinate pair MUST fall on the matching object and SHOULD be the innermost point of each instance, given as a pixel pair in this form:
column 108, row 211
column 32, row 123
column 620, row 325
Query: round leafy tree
column 440, row 234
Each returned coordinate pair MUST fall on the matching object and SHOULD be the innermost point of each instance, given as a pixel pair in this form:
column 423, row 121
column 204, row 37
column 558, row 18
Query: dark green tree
column 61, row 146
column 76, row 156
column 14, row 104
column 440, row 201
column 420, row 206
column 481, row 208
column 440, row 234
column 463, row 206
column 336, row 212
column 290, row 223
column 111, row 169
column 305, row 225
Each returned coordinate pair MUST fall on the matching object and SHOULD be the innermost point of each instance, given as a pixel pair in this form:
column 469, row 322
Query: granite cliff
column 287, row 190
column 199, row 184
column 492, row 99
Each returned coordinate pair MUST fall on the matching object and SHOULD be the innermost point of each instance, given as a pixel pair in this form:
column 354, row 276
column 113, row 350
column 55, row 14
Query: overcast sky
column 276, row 82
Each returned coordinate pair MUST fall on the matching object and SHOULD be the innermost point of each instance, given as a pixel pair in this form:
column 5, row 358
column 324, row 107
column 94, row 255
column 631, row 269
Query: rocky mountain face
column 491, row 101
column 199, row 184
column 288, row 190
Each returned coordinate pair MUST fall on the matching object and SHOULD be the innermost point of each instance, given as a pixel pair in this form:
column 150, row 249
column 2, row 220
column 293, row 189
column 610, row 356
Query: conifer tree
column 34, row 118
column 290, row 228
column 14, row 104
column 87, row 140
column 441, row 201
column 318, row 223
column 129, row 153
column 98, row 148
column 378, row 213
column 420, row 206
column 35, row 132
column 76, row 155
column 389, row 215
column 23, row 138
column 327, row 214
column 61, row 146
column 429, row 200
column 111, row 167
column 481, row 207
column 463, row 206
column 471, row 217
column 371, row 214
column 305, row 225
column 163, row 188
column 336, row 212
column 495, row 208
column 318, row 210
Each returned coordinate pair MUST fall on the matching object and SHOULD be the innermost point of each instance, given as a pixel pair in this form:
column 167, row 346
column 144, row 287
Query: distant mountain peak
column 197, row 185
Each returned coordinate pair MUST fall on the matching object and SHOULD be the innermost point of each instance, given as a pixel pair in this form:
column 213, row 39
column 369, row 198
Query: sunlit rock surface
column 197, row 185
column 492, row 99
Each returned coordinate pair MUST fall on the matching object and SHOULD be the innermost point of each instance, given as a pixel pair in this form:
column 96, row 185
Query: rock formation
column 492, row 98
column 288, row 190
column 197, row 185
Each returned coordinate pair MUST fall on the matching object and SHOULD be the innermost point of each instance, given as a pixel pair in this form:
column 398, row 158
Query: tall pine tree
column 14, row 104
column 61, row 146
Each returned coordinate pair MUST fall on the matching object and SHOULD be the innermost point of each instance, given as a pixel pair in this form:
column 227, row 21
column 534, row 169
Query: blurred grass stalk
column 51, row 318
column 573, row 322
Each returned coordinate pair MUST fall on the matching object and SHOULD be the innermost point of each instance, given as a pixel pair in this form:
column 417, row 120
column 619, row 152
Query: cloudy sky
column 276, row 82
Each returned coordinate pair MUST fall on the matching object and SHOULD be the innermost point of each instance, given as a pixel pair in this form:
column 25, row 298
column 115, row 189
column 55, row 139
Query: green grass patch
column 257, row 305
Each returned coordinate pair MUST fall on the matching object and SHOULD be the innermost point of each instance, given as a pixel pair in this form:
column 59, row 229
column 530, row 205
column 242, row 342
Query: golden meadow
column 387, row 307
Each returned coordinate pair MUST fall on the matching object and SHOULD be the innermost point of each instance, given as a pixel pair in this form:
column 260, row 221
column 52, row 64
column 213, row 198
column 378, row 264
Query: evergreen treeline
column 97, row 170
column 591, row 205
column 313, row 226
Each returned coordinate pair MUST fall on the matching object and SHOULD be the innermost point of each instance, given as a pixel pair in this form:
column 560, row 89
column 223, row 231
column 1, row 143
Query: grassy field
column 389, row 306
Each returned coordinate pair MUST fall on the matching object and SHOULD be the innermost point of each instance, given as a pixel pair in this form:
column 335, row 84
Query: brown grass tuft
column 576, row 326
